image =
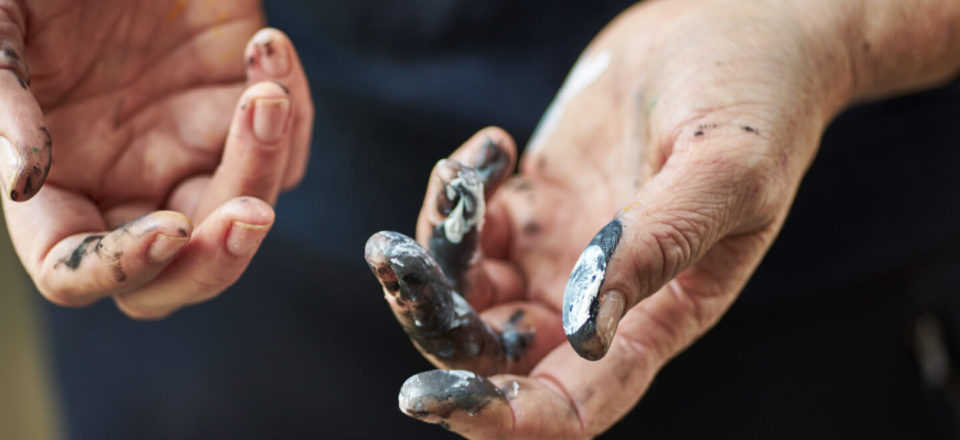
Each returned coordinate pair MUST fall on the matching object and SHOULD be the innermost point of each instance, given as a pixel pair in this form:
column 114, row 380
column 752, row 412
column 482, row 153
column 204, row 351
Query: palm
column 141, row 104
column 172, row 105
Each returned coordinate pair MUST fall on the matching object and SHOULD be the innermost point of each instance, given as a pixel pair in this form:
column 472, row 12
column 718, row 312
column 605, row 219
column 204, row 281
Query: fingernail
column 609, row 313
column 581, row 296
column 270, row 118
column 441, row 393
column 165, row 246
column 274, row 57
column 244, row 238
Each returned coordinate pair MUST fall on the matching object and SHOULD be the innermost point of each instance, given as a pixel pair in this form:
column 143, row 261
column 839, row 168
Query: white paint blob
column 584, row 73
column 585, row 284
column 458, row 223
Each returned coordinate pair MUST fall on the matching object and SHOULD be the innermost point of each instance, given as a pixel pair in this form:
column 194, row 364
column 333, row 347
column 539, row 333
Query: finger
column 502, row 406
column 74, row 261
column 439, row 321
column 679, row 215
column 25, row 142
column 271, row 56
column 566, row 396
column 454, row 212
column 254, row 158
column 220, row 250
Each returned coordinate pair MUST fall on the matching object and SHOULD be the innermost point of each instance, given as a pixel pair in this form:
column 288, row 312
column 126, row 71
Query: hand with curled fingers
column 681, row 135
column 142, row 144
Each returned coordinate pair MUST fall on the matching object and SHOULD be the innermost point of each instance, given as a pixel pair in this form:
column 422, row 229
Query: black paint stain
column 515, row 341
column 435, row 317
column 702, row 128
column 443, row 392
column 251, row 61
column 750, row 129
column 12, row 54
column 14, row 195
column 48, row 140
column 267, row 47
column 491, row 162
column 20, row 81
column 584, row 338
column 181, row 232
column 76, row 257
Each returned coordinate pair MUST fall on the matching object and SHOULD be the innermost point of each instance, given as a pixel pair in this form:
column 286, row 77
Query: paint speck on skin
column 750, row 129
column 584, row 73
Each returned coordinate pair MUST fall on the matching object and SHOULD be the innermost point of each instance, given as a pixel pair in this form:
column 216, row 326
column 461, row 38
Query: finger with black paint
column 219, row 252
column 677, row 217
column 271, row 56
column 25, row 142
column 437, row 319
column 454, row 218
column 75, row 261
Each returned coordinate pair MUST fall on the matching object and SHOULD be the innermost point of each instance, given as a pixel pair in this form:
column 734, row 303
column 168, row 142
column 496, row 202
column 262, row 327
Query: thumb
column 675, row 219
column 25, row 143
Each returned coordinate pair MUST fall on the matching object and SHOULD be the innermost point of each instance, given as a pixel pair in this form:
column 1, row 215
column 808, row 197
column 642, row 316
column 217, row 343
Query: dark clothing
column 819, row 345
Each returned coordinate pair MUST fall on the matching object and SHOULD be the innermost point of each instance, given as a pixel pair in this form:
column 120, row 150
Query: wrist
column 889, row 46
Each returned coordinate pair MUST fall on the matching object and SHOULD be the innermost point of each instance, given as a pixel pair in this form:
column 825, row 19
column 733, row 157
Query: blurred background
column 28, row 407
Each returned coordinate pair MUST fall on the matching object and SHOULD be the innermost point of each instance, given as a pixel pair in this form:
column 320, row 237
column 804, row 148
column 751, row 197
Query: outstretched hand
column 158, row 116
column 681, row 135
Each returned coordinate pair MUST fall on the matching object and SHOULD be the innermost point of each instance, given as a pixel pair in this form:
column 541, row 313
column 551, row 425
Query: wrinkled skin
column 150, row 108
column 693, row 125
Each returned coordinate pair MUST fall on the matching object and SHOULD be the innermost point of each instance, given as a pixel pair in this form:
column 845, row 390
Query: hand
column 132, row 100
column 691, row 126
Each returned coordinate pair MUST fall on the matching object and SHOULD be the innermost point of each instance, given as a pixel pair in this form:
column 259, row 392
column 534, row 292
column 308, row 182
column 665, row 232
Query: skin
column 695, row 135
column 172, row 125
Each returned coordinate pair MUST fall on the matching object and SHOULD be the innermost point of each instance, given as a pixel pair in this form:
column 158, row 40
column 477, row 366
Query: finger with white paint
column 454, row 218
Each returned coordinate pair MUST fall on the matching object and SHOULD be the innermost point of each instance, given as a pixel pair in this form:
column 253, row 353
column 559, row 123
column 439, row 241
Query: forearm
column 892, row 46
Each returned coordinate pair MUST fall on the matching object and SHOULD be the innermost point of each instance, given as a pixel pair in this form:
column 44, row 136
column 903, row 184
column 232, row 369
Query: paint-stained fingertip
column 390, row 254
column 582, row 299
column 445, row 396
column 26, row 173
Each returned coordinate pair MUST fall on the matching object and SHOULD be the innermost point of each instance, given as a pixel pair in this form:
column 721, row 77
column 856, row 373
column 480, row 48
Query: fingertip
column 582, row 295
column 270, row 51
column 458, row 400
column 251, row 210
column 25, row 162
column 492, row 152
column 250, row 221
